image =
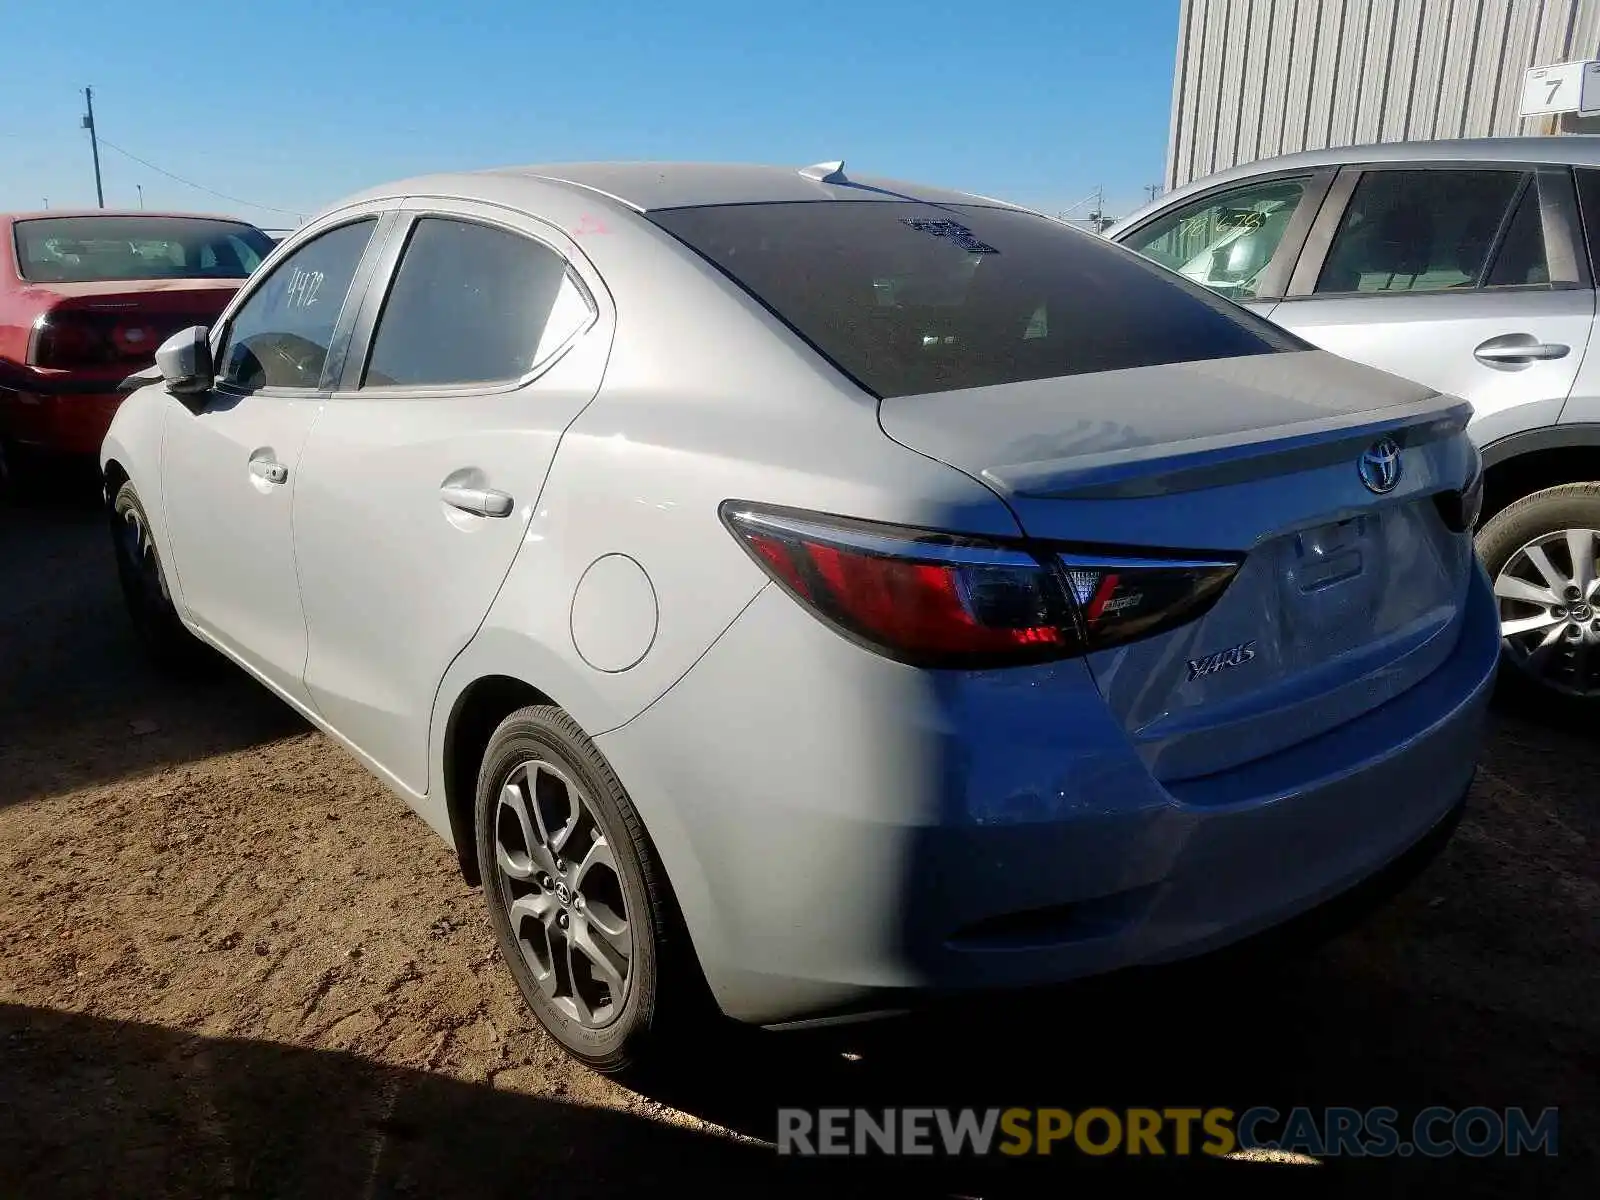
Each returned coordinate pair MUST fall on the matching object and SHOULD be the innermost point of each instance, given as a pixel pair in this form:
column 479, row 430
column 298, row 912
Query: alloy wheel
column 563, row 893
column 1549, row 596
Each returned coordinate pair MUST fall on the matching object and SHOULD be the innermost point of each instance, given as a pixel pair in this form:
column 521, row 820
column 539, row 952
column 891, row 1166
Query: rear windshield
column 91, row 249
column 909, row 298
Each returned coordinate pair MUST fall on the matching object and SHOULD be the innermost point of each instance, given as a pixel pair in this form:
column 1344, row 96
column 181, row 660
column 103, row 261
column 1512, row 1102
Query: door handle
column 1513, row 348
column 483, row 502
column 272, row 472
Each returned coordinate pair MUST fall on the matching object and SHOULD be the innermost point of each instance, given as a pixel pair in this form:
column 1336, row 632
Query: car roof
column 654, row 186
column 1578, row 150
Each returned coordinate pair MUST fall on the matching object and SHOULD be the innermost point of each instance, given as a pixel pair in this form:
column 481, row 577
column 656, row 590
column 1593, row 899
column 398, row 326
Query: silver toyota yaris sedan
column 802, row 593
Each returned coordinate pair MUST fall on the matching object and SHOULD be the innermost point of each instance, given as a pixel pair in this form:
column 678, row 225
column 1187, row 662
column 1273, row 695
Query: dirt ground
column 231, row 965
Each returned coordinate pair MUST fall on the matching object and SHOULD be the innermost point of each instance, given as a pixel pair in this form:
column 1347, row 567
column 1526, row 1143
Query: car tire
column 545, row 798
column 1562, row 679
column 144, row 587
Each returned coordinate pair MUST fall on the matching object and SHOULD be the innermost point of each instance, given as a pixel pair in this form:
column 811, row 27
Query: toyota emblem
column 1379, row 466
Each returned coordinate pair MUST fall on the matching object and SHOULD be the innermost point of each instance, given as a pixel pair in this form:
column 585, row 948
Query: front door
column 229, row 468
column 1468, row 280
column 419, row 481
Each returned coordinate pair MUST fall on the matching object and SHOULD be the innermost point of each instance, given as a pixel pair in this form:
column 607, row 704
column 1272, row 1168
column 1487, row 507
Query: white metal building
column 1257, row 78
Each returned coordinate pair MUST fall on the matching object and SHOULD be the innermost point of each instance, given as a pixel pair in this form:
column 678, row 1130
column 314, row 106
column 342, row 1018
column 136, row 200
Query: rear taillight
column 938, row 599
column 66, row 339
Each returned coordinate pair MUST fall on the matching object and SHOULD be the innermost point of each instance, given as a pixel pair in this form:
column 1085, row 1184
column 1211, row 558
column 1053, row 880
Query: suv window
column 1413, row 231
column 907, row 298
column 280, row 335
column 473, row 304
column 1589, row 202
column 1223, row 241
column 1521, row 260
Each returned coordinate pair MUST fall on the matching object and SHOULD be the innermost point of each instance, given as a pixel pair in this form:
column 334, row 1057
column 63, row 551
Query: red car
column 85, row 299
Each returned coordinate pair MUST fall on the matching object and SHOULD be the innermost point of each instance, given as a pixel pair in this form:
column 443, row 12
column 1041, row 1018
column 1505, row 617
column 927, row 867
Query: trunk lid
column 1345, row 596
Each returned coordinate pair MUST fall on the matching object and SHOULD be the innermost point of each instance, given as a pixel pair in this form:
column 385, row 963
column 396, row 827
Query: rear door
column 482, row 338
column 1469, row 279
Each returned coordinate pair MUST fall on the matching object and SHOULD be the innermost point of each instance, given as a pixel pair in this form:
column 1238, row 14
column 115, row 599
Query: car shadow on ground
column 180, row 1115
column 79, row 702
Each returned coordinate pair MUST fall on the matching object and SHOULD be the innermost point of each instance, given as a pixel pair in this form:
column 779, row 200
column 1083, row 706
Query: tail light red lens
column 68, row 340
column 936, row 599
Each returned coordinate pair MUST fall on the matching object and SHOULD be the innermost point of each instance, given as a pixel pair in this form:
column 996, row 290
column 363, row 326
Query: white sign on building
column 1572, row 87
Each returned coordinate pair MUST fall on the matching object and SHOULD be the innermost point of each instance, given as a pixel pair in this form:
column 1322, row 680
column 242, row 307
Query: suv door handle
column 483, row 502
column 1517, row 348
column 272, row 472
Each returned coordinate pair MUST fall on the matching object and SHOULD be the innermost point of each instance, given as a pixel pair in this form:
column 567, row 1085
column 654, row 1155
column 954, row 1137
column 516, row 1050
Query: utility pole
column 1152, row 190
column 1097, row 218
column 94, row 145
column 139, row 187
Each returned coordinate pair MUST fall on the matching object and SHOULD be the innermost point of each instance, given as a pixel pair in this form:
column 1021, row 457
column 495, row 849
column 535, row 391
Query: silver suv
column 1467, row 266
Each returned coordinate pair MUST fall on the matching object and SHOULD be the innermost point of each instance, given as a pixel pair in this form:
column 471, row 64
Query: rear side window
column 908, row 298
column 1521, row 261
column 473, row 304
column 1589, row 203
column 1425, row 231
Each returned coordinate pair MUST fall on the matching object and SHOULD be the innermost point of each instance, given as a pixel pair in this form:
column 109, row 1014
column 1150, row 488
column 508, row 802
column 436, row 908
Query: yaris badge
column 1379, row 466
column 1221, row 660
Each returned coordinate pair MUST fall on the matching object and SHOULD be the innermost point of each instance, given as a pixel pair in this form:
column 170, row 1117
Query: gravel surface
column 232, row 965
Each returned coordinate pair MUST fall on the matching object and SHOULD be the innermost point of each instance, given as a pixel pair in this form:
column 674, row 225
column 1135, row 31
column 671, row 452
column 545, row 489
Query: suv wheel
column 1542, row 554
column 580, row 907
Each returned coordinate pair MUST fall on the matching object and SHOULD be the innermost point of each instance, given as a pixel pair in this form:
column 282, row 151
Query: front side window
column 93, row 249
column 1425, row 231
column 1223, row 242
column 907, row 298
column 473, row 304
column 280, row 335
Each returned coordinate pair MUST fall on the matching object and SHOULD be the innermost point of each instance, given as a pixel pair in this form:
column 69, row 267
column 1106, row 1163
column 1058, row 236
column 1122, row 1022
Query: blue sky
column 303, row 101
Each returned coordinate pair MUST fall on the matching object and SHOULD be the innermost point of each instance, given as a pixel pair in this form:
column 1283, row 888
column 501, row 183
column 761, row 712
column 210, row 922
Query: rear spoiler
column 1217, row 462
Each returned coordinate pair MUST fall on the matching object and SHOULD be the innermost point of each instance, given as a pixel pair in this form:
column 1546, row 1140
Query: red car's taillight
column 937, row 599
column 67, row 339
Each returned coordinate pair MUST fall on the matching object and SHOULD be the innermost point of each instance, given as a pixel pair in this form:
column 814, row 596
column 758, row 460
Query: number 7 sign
column 1562, row 88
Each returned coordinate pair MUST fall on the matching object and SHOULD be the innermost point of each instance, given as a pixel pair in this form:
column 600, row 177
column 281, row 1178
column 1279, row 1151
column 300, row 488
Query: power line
column 198, row 186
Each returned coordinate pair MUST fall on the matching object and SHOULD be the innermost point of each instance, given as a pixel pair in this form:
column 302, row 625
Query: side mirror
column 184, row 360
